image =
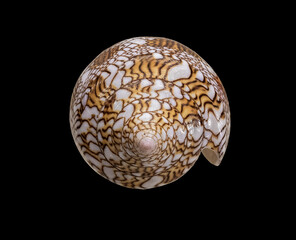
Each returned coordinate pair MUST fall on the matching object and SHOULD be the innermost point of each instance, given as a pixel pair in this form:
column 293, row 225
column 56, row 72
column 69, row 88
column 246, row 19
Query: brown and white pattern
column 145, row 108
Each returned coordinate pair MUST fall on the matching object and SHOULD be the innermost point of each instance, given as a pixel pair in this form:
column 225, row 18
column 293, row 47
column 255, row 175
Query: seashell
column 144, row 109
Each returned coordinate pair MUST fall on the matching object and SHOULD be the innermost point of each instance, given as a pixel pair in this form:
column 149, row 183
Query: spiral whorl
column 144, row 109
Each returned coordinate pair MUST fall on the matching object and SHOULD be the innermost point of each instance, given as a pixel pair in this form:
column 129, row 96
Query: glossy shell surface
column 144, row 109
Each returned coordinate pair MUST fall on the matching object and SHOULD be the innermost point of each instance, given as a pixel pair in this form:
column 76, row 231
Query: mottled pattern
column 145, row 108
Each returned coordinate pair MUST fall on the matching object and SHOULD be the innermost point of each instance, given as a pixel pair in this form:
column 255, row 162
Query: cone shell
column 144, row 109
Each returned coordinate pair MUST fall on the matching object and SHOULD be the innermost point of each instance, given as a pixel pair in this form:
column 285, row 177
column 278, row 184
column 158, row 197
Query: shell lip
column 212, row 156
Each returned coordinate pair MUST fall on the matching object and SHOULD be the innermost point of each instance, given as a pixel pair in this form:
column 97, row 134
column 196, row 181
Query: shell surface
column 144, row 109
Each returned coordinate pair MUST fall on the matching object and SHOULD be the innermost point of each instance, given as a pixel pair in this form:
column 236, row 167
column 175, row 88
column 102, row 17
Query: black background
column 222, row 47
column 57, row 183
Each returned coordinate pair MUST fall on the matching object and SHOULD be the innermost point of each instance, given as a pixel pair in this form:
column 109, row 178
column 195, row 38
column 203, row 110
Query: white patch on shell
column 110, row 155
column 126, row 80
column 173, row 102
column 76, row 106
column 175, row 57
column 79, row 140
column 127, row 112
column 168, row 161
column 117, row 106
column 94, row 148
column 93, row 123
column 110, row 122
column 104, row 75
column 217, row 140
column 163, row 135
column 157, row 56
column 118, row 124
column 117, row 80
column 145, row 83
column 152, row 182
column 108, row 131
column 99, row 136
column 83, row 128
column 104, row 162
column 113, row 70
column 179, row 71
column 145, row 95
column 139, row 135
column 192, row 159
column 122, row 58
column 181, row 134
column 219, row 111
column 152, row 94
column 84, row 100
column 211, row 92
column 195, row 131
column 129, row 64
column 158, row 85
column 122, row 94
column 119, row 64
column 180, row 118
column 109, row 172
column 89, row 112
column 145, row 117
column 165, row 120
column 120, row 53
column 138, row 41
column 207, row 134
column 177, row 92
column 178, row 83
column 186, row 88
column 166, row 106
column 119, row 175
column 164, row 145
column 170, row 133
column 154, row 105
column 215, row 125
column 91, row 138
column 177, row 156
column 164, row 94
column 132, row 45
column 128, row 177
column 200, row 76
column 101, row 124
column 92, row 160
column 186, row 96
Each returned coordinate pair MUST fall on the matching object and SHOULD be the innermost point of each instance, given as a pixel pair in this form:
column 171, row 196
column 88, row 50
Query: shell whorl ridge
column 144, row 109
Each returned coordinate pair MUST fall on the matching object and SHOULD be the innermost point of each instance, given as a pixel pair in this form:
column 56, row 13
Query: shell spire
column 144, row 109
